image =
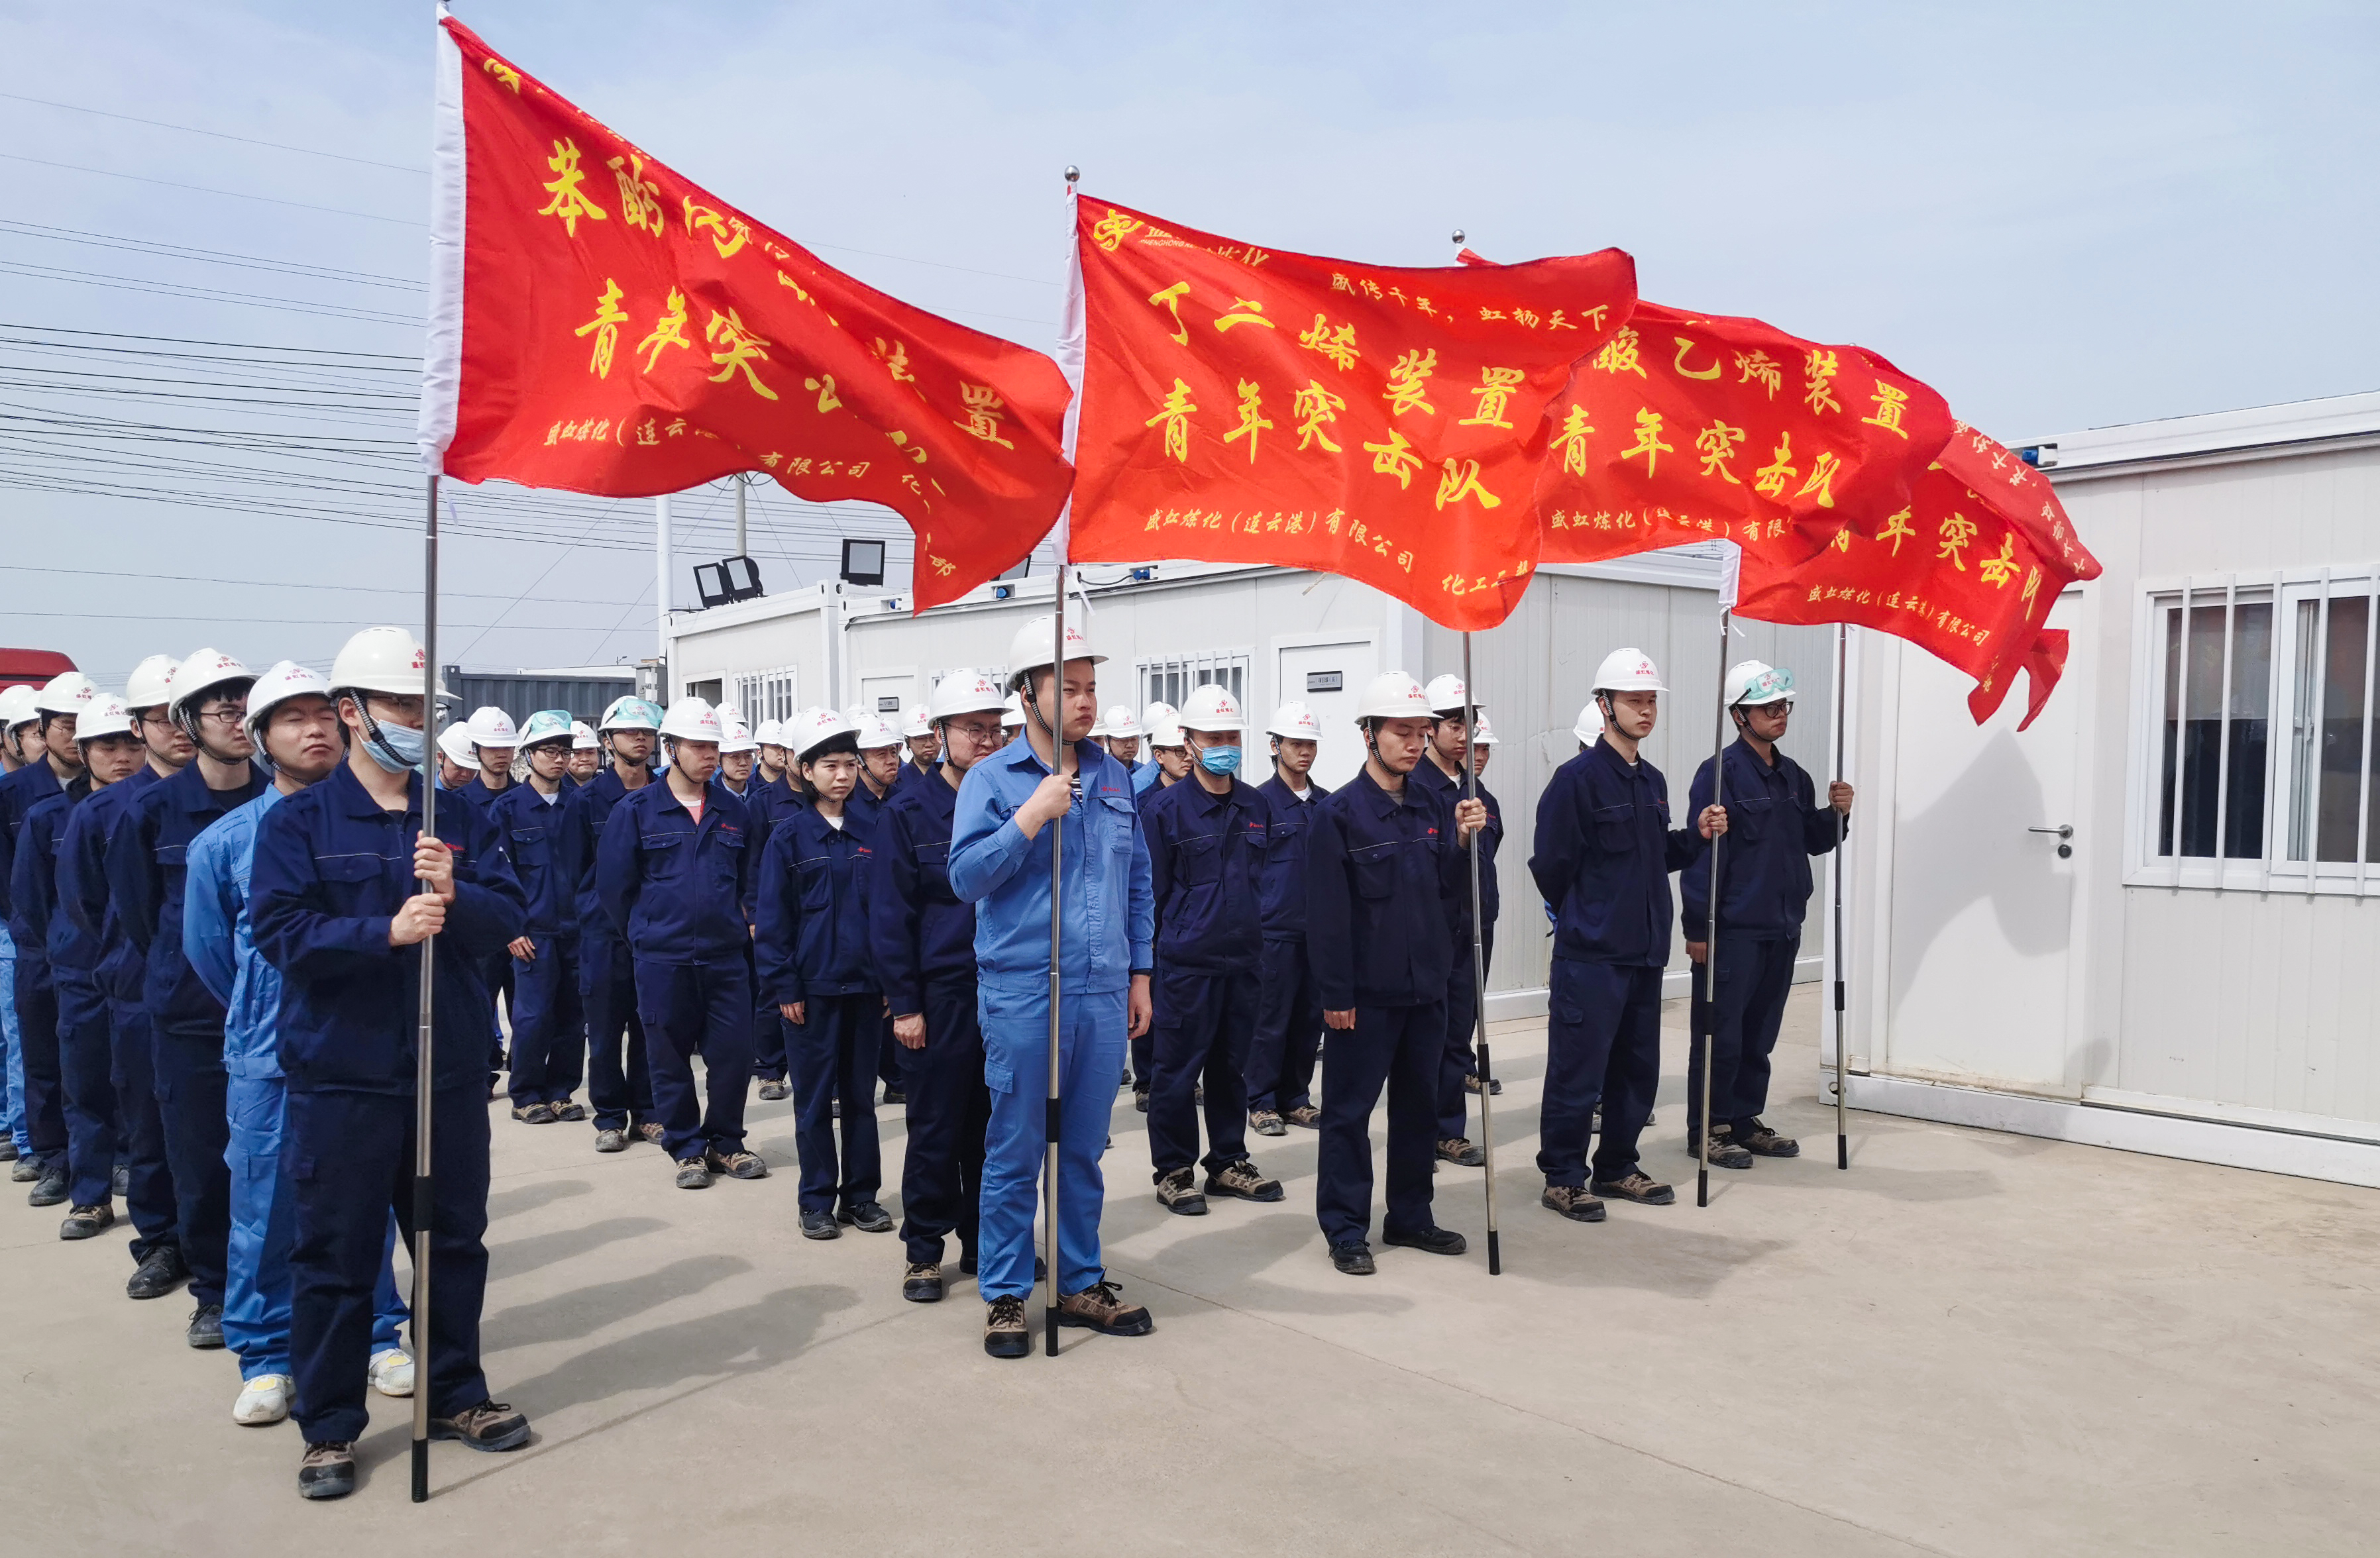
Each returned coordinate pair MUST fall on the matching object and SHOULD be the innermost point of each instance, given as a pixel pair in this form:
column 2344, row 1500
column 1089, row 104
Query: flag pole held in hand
column 1843, row 827
column 424, row 1198
column 1479, row 965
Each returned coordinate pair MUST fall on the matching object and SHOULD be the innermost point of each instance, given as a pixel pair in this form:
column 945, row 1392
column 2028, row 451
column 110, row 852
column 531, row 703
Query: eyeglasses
column 230, row 716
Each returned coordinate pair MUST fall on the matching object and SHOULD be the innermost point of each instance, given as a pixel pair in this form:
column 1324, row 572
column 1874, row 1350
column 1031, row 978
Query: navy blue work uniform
column 543, row 840
column 1206, row 855
column 812, row 949
column 333, row 867
column 679, row 890
column 132, row 1061
column 35, row 996
column 1461, row 986
column 892, row 1060
column 768, row 799
column 1603, row 853
column 145, row 880
column 619, row 1070
column 1289, row 1004
column 58, row 1069
column 1774, row 826
column 921, row 936
column 1387, row 896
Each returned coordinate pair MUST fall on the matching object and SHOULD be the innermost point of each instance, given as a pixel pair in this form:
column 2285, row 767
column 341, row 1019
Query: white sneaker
column 264, row 1399
column 392, row 1372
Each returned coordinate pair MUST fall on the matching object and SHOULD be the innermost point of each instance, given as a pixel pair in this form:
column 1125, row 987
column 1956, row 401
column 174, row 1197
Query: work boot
column 1724, row 1153
column 693, row 1174
column 894, row 1095
column 205, row 1332
column 775, row 1088
column 650, row 1130
column 1102, row 1307
column 567, row 1110
column 1240, row 1180
column 1574, row 1202
column 50, row 1188
column 491, row 1426
column 610, row 1140
column 328, row 1470
column 1265, row 1122
column 1435, row 1242
column 391, row 1373
column 24, row 1170
column 159, row 1272
column 1305, row 1114
column 1140, row 1099
column 1471, row 1084
column 1178, row 1193
column 820, row 1225
column 82, row 1222
column 1462, row 1151
column 534, row 1114
column 1355, row 1259
column 9, row 1152
column 119, row 1180
column 868, row 1216
column 264, row 1399
column 1637, row 1187
column 1762, row 1143
column 738, row 1164
column 1004, row 1333
column 922, row 1283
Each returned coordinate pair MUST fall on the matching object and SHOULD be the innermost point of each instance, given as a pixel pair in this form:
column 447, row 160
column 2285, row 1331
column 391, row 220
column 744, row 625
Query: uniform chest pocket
column 1748, row 820
column 816, row 874
column 171, row 856
column 1615, row 828
column 1198, row 862
column 665, row 854
column 1375, row 871
column 533, row 847
column 726, row 855
column 352, row 880
column 1115, row 817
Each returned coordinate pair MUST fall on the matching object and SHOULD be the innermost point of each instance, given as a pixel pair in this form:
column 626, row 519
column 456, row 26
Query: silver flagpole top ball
column 1073, row 173
column 1458, row 234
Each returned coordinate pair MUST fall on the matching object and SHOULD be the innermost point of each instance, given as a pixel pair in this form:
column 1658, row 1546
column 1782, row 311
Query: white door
column 1983, row 903
column 889, row 694
column 1328, row 678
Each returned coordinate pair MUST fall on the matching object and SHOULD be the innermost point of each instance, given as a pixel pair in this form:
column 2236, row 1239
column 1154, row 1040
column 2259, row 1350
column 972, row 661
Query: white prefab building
column 2153, row 920
column 1272, row 634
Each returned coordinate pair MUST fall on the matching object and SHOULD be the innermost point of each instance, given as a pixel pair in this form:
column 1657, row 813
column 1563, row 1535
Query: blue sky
column 2061, row 216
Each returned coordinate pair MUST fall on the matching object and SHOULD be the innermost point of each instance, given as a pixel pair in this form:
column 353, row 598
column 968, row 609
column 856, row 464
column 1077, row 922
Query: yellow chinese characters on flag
column 1242, row 404
column 602, row 325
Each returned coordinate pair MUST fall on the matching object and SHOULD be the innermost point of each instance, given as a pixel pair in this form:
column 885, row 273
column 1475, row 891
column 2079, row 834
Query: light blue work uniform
column 217, row 939
column 1108, row 920
column 16, row 1074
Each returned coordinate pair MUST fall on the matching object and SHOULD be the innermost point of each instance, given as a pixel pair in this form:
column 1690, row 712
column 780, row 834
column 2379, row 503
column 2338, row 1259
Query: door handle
column 2065, row 830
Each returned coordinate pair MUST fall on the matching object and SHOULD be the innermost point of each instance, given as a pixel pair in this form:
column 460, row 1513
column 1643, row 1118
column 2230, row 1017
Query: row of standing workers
column 220, row 890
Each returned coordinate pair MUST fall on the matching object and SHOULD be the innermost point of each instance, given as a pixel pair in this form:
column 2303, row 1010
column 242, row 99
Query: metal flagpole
column 423, row 1197
column 1709, row 1034
column 1056, row 725
column 1843, row 827
column 1479, row 966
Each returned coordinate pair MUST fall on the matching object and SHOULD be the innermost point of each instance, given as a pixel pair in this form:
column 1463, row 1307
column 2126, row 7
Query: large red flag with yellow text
column 600, row 324
column 1968, row 570
column 1692, row 428
column 1243, row 405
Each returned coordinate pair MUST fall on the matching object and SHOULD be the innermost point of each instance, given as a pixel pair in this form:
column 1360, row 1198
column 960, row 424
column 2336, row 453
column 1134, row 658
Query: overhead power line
column 218, row 135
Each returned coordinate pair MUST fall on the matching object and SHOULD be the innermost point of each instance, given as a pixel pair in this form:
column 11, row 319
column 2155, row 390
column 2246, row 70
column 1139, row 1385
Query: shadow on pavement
column 516, row 1256
column 582, row 1311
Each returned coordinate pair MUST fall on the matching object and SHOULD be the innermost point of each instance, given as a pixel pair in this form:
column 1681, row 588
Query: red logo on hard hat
column 420, row 657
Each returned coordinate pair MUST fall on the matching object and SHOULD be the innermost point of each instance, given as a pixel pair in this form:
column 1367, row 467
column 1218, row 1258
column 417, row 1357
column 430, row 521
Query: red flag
column 1692, row 428
column 1243, row 405
column 600, row 324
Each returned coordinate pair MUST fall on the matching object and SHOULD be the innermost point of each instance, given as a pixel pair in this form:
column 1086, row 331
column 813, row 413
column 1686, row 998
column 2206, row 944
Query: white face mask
column 396, row 748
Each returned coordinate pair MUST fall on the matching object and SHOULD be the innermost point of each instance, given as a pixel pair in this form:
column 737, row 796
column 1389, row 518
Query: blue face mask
column 1220, row 759
column 397, row 747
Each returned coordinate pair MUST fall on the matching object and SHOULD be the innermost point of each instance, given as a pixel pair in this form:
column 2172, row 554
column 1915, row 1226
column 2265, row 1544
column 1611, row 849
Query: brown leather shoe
column 1574, row 1202
column 1101, row 1307
column 1762, row 1143
column 1004, row 1332
column 1639, row 1188
column 1305, row 1114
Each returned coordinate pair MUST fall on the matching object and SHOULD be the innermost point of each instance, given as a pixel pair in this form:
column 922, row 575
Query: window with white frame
column 2262, row 755
column 766, row 695
column 1172, row 681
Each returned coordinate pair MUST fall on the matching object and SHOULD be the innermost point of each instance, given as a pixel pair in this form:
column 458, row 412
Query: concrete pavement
column 1969, row 1344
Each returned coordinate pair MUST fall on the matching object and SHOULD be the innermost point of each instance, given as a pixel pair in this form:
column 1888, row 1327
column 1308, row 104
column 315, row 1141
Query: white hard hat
column 1156, row 713
column 629, row 712
column 1755, row 684
column 1213, row 707
column 771, row 734
column 454, row 740
column 965, row 692
column 17, row 706
column 740, row 736
column 151, row 681
column 874, row 730
column 491, row 726
column 916, row 722
column 1446, row 694
column 200, row 669
column 583, row 738
column 728, row 713
column 1030, row 650
column 1590, row 723
column 1627, row 671
column 1013, row 712
column 106, row 716
column 813, row 728
column 282, row 681
column 545, row 725
column 383, row 659
column 1484, row 735
column 1120, row 721
column 1394, row 695
column 1295, row 722
column 1099, row 727
column 692, row 719
column 1167, row 734
column 69, row 691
